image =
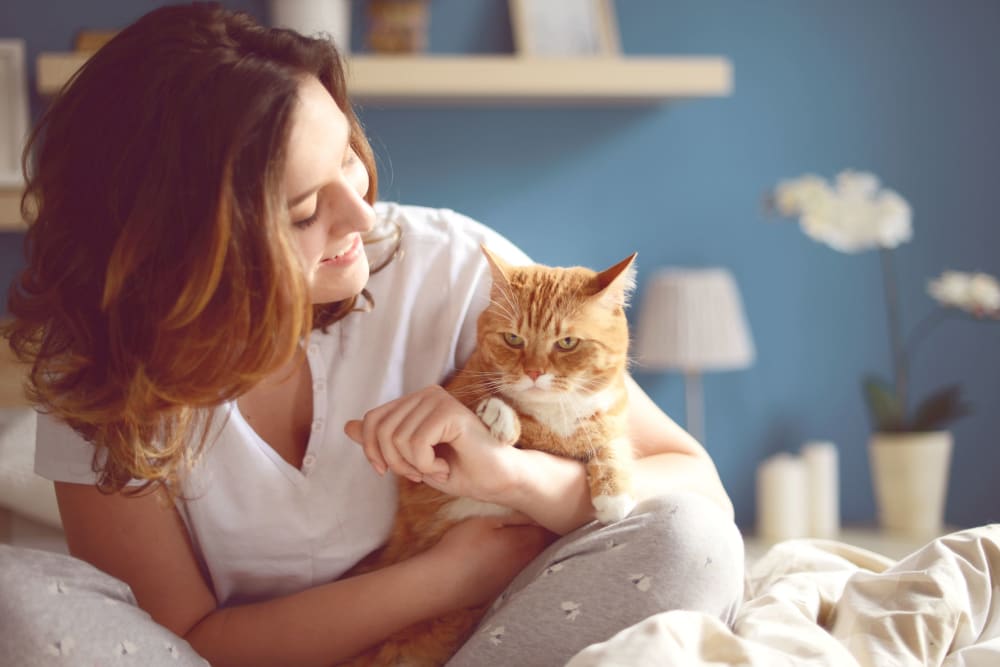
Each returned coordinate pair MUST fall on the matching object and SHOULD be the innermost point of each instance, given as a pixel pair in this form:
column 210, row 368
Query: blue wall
column 904, row 88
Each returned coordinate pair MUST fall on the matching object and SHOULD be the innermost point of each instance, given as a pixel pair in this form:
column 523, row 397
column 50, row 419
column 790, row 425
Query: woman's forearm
column 325, row 624
column 676, row 471
column 551, row 490
column 554, row 492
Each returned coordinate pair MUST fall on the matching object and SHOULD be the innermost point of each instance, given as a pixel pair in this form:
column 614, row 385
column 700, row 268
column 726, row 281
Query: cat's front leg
column 500, row 419
column 609, row 473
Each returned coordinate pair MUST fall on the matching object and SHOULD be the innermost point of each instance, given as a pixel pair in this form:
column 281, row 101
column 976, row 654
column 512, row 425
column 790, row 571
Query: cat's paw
column 613, row 508
column 500, row 419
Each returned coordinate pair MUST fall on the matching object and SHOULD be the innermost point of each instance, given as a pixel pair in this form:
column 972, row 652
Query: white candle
column 823, row 488
column 782, row 510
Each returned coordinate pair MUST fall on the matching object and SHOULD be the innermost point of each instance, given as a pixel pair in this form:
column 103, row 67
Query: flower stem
column 896, row 348
column 926, row 325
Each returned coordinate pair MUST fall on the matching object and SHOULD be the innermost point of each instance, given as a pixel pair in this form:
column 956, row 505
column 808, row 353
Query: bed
column 806, row 602
column 822, row 602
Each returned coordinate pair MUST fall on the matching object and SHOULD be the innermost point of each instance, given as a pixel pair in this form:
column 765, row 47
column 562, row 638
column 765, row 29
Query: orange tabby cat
column 548, row 373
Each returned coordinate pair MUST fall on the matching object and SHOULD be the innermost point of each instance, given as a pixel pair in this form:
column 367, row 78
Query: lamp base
column 693, row 405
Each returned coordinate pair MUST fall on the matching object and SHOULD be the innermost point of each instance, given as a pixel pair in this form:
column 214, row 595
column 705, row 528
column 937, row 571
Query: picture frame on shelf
column 564, row 28
column 13, row 110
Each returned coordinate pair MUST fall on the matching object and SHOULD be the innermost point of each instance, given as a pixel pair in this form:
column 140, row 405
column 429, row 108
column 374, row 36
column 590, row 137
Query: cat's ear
column 616, row 284
column 498, row 268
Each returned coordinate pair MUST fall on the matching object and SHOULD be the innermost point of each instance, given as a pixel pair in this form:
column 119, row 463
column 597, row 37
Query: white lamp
column 691, row 320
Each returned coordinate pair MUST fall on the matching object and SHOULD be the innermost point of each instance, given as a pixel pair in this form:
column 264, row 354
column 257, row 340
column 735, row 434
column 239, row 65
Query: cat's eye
column 568, row 343
column 513, row 340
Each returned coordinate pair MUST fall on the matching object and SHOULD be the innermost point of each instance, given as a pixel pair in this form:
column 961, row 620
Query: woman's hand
column 429, row 436
column 483, row 555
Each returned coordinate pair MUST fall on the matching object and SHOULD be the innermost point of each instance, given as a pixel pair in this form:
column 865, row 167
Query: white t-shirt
column 262, row 528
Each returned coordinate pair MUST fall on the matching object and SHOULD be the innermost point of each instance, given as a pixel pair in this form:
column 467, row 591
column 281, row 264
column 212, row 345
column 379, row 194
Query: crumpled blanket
column 822, row 602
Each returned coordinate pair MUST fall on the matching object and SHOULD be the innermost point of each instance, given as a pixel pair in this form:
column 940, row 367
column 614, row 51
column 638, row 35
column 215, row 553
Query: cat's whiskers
column 488, row 383
column 506, row 314
column 478, row 393
column 508, row 309
column 471, row 373
column 590, row 385
column 478, row 374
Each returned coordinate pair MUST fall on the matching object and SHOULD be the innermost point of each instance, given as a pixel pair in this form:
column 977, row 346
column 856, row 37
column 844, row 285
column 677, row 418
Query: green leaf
column 883, row 405
column 940, row 409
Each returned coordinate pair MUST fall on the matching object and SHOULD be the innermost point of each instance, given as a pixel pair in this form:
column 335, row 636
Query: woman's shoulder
column 442, row 231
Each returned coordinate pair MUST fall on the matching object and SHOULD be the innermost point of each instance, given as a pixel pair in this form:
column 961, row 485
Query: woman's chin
column 333, row 286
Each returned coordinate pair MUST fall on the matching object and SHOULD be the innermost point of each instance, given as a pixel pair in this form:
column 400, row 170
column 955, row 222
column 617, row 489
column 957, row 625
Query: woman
column 204, row 191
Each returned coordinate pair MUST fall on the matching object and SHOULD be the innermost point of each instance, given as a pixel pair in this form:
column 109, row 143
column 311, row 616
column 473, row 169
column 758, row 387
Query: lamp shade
column 693, row 320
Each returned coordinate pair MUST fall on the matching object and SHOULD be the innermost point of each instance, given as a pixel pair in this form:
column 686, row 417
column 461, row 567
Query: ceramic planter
column 910, row 479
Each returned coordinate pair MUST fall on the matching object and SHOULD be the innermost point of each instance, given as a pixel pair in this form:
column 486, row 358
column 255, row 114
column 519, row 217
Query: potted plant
column 910, row 448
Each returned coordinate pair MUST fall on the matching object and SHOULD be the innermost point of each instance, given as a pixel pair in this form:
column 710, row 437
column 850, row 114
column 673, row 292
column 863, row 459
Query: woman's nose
column 352, row 213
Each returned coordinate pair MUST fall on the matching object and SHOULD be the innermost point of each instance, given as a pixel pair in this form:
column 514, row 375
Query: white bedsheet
column 820, row 602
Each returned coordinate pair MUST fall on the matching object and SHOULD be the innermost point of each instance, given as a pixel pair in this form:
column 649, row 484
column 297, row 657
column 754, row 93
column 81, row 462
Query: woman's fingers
column 401, row 435
column 380, row 429
column 365, row 432
column 418, row 432
column 355, row 431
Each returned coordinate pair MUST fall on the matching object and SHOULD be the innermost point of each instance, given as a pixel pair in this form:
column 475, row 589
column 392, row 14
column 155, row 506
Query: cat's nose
column 533, row 374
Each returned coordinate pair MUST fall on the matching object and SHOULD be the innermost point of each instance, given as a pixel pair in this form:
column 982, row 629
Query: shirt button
column 308, row 461
column 319, row 385
column 313, row 348
column 317, row 425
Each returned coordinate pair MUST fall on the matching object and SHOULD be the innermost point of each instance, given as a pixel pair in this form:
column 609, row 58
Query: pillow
column 59, row 610
column 21, row 490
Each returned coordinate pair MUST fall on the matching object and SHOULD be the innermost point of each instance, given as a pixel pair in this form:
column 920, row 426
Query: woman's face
column 325, row 184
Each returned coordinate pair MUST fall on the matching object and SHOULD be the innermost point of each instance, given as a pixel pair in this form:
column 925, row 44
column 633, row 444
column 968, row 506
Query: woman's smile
column 345, row 257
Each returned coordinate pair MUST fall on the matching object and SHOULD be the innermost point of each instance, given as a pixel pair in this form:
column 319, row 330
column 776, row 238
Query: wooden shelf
column 514, row 80
column 500, row 80
column 479, row 80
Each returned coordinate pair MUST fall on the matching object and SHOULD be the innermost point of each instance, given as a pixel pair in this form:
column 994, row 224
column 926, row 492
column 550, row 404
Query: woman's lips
column 346, row 257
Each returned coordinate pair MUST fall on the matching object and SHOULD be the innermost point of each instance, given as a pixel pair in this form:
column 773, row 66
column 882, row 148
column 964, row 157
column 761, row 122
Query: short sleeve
column 61, row 454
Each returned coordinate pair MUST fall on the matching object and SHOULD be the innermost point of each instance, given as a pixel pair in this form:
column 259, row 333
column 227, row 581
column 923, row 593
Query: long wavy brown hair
column 162, row 278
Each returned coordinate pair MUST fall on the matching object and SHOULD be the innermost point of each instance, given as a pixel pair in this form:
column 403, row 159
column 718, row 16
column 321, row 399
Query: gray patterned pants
column 676, row 551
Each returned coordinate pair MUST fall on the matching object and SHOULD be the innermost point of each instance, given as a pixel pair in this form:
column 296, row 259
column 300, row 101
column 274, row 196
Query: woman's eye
column 567, row 343
column 513, row 340
column 307, row 222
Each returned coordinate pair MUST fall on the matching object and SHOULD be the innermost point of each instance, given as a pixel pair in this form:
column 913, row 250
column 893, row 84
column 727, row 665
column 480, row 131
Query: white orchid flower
column 950, row 289
column 894, row 215
column 852, row 216
column 806, row 193
column 857, row 184
column 984, row 293
column 975, row 293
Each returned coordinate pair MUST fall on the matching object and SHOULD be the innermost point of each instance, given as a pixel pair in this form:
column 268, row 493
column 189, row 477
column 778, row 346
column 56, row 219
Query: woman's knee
column 697, row 552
